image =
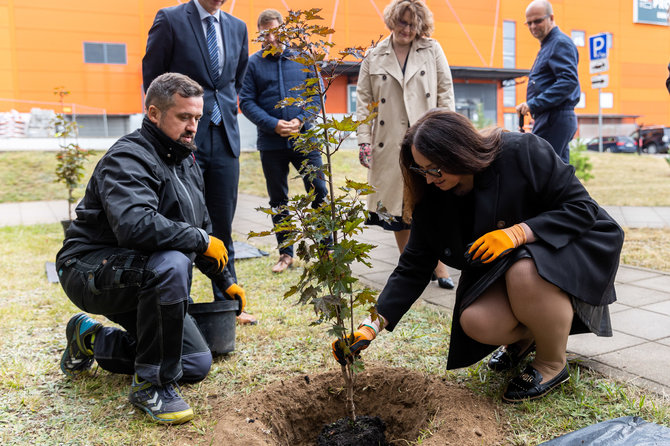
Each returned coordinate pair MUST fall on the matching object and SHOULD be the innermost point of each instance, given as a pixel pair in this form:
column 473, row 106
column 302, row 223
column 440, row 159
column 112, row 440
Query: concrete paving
column 639, row 351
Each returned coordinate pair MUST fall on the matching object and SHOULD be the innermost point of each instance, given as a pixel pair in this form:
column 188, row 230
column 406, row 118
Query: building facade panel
column 42, row 47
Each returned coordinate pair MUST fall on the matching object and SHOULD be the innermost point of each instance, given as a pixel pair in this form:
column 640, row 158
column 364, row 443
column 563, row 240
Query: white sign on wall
column 600, row 81
column 599, row 66
column 654, row 12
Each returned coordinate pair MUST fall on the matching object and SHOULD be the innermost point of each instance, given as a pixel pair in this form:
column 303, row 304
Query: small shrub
column 71, row 157
column 580, row 160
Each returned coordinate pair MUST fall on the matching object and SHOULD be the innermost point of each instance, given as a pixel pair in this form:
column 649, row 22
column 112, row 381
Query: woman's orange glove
column 495, row 244
column 217, row 254
column 358, row 341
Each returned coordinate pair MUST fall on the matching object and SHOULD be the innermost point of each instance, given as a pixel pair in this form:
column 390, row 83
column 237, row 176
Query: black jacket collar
column 171, row 151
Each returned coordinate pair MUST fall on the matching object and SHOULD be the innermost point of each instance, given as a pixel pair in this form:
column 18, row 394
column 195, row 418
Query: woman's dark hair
column 452, row 143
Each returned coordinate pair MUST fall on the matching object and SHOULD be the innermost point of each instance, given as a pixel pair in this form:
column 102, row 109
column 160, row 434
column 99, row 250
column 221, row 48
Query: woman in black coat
column 537, row 255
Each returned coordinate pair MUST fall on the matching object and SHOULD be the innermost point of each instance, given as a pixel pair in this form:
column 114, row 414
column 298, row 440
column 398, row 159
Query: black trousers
column 276, row 168
column 221, row 172
column 148, row 296
column 557, row 127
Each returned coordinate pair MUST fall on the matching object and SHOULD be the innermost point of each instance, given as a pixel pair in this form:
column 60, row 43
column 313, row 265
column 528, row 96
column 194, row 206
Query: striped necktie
column 213, row 48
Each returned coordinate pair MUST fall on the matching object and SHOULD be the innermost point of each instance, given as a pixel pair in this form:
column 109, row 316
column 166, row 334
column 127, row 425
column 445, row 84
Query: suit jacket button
column 423, row 72
column 447, row 252
column 501, row 224
column 381, row 144
column 427, row 95
column 383, row 101
column 383, row 77
column 381, row 122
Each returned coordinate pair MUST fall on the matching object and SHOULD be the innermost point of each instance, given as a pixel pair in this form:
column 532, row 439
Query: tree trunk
column 348, row 376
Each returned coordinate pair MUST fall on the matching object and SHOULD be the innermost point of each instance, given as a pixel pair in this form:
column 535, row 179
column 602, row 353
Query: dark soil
column 365, row 431
column 292, row 412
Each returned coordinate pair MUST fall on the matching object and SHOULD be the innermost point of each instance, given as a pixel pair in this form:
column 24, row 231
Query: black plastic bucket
column 216, row 321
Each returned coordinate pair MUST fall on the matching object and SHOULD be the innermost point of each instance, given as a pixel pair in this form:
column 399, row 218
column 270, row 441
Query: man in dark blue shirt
column 268, row 80
column 553, row 83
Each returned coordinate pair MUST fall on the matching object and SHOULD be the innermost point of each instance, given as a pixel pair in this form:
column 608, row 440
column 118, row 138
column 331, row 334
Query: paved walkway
column 638, row 352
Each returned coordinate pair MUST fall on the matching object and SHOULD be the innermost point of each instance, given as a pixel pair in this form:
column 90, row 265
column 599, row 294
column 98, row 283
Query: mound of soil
column 412, row 405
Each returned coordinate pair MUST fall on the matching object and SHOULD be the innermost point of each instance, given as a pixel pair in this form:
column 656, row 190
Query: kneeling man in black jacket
column 129, row 254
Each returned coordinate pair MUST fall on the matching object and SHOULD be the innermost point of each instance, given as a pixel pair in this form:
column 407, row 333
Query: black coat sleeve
column 242, row 59
column 566, row 211
column 415, row 266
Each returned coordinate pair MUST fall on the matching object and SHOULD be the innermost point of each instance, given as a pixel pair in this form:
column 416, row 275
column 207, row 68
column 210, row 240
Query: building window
column 351, row 98
column 578, row 37
column 509, row 44
column 511, row 122
column 111, row 53
column 606, row 100
column 509, row 93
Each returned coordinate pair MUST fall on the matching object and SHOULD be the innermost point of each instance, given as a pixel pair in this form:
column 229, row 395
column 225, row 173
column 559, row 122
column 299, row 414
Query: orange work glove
column 236, row 292
column 217, row 254
column 359, row 340
column 495, row 244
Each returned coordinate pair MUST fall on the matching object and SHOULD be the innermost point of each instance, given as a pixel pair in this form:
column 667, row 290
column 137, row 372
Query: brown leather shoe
column 246, row 319
column 285, row 261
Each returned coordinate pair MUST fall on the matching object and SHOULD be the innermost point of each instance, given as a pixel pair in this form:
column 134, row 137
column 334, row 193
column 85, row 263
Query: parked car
column 614, row 144
column 654, row 139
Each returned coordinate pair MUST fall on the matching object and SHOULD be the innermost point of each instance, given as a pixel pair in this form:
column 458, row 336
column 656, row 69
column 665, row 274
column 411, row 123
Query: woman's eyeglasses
column 436, row 173
column 536, row 21
column 403, row 24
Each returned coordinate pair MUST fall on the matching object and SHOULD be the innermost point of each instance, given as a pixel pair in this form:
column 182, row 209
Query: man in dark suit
column 211, row 47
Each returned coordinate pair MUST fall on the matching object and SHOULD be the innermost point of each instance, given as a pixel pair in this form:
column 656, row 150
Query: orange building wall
column 41, row 46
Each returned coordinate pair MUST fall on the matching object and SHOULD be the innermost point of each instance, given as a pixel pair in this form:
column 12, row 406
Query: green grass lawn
column 622, row 179
column 619, row 179
column 38, row 405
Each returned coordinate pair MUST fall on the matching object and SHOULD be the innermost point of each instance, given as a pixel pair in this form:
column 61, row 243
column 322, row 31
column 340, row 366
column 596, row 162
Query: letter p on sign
column 598, row 46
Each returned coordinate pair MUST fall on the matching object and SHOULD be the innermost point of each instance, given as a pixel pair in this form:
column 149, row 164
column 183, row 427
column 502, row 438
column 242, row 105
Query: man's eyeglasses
column 536, row 21
column 403, row 24
column 436, row 173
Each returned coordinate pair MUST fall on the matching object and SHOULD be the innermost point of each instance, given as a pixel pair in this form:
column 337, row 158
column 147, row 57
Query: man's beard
column 190, row 145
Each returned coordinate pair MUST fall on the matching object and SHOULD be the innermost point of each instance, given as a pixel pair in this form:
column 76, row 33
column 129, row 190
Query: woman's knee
column 490, row 317
column 477, row 323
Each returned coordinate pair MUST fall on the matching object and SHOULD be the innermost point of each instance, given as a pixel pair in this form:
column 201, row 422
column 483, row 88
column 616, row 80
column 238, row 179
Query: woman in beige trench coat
column 407, row 74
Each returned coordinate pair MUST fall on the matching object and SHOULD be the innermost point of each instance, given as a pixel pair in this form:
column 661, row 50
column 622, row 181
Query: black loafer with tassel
column 527, row 385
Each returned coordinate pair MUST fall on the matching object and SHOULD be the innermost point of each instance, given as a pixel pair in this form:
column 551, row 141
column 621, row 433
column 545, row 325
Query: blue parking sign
column 598, row 46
